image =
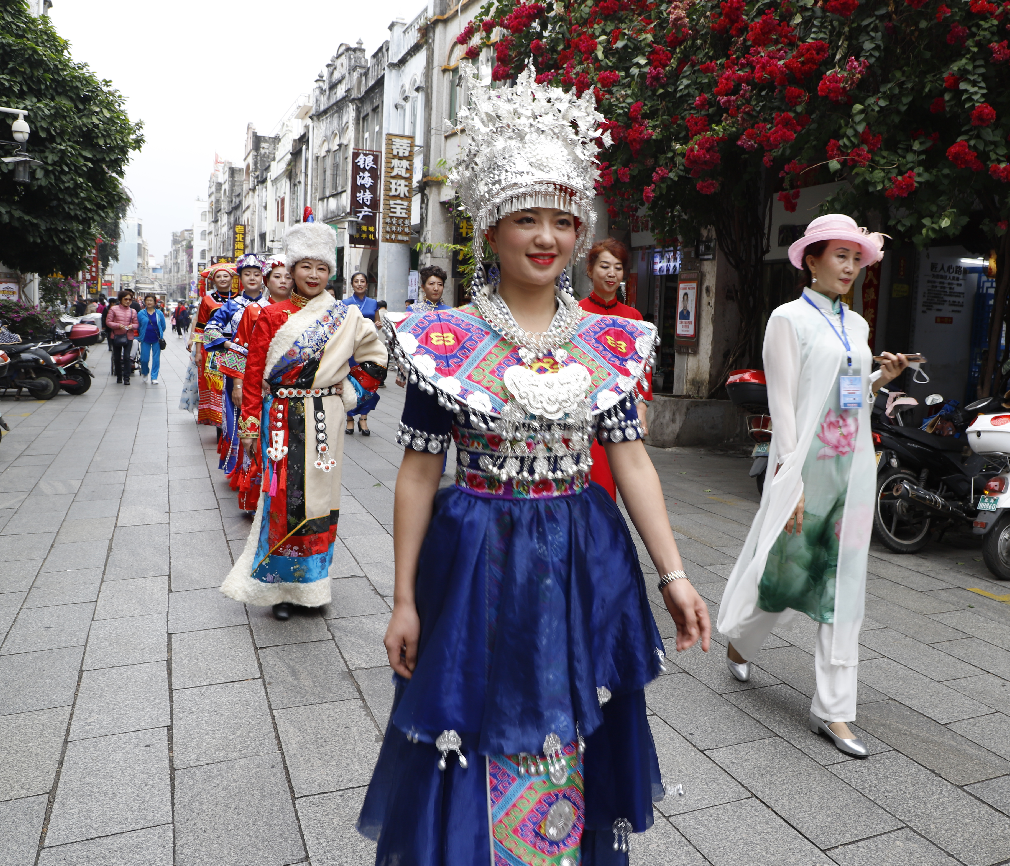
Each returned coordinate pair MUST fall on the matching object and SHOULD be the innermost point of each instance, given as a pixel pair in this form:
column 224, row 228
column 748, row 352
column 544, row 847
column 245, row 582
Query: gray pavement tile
column 138, row 516
column 922, row 694
column 710, row 667
column 237, row 528
column 128, row 641
column 39, row 680
column 360, row 640
column 14, row 548
column 345, row 565
column 376, row 685
column 370, row 548
column 111, row 785
column 21, row 524
column 359, row 523
column 199, row 559
column 76, row 555
column 995, row 792
column 795, row 667
column 809, row 797
column 306, row 673
column 991, row 732
column 85, row 529
column 149, row 847
column 785, row 711
column 919, row 602
column 663, row 844
column 184, row 522
column 30, row 749
column 306, row 625
column 938, row 747
column 219, row 655
column 88, row 509
column 319, row 761
column 67, row 587
column 355, row 596
column 199, row 609
column 955, row 821
column 987, row 689
column 911, row 624
column 144, row 596
column 901, row 848
column 746, row 833
column 916, row 655
column 699, row 714
column 140, row 550
column 44, row 503
column 18, row 576
column 121, row 700
column 236, row 813
column 10, row 605
column 876, row 565
column 45, row 628
column 704, row 782
column 974, row 625
column 982, row 655
column 20, row 829
column 222, row 722
column 328, row 821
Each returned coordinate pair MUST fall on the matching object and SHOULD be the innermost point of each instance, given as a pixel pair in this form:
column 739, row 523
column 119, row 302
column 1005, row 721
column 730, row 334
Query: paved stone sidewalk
column 146, row 719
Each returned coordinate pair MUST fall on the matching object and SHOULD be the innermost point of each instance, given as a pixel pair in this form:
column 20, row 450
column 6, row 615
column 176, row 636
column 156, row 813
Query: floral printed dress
column 800, row 572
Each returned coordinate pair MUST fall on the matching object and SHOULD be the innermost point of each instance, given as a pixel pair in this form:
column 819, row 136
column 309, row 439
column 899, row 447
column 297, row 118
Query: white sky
column 197, row 71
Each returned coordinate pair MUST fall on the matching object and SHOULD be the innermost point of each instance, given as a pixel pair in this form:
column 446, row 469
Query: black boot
column 282, row 611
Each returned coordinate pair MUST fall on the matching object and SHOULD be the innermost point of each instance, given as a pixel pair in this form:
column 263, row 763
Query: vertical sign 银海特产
column 365, row 197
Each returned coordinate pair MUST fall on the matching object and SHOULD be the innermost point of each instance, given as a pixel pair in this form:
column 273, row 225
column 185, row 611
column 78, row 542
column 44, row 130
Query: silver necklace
column 531, row 345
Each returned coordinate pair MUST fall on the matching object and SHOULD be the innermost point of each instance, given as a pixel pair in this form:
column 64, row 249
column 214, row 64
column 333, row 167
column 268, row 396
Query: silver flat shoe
column 855, row 746
column 740, row 672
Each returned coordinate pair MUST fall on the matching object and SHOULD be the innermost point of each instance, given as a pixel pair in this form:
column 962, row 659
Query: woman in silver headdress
column 522, row 635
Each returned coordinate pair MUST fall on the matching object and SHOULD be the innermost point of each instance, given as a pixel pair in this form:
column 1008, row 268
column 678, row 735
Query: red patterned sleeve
column 252, row 396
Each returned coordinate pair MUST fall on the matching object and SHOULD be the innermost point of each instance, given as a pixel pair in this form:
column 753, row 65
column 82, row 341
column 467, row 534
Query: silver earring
column 813, row 280
column 563, row 283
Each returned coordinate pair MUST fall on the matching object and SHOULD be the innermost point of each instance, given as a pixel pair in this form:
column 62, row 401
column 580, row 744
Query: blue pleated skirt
column 527, row 606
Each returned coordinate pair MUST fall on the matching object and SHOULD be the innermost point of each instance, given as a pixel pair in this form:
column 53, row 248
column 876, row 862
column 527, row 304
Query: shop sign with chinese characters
column 238, row 242
column 398, row 188
column 365, row 198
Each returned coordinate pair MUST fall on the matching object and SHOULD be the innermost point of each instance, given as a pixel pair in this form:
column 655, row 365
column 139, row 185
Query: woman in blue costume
column 521, row 637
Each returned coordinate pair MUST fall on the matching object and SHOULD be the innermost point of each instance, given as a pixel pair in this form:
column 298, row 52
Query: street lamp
column 21, row 160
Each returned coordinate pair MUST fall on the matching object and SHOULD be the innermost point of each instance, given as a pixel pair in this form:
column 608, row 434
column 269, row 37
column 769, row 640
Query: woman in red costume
column 210, row 382
column 607, row 264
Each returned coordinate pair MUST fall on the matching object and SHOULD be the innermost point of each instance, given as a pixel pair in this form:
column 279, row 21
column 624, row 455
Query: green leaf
column 834, row 166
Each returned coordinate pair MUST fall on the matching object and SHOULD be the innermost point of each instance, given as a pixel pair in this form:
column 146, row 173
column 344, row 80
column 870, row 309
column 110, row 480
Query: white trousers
column 835, row 696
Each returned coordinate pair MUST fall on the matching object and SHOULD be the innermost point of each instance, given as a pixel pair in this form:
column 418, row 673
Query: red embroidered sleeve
column 267, row 324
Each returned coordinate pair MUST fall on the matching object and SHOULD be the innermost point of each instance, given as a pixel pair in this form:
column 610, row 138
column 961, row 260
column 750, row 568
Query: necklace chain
column 531, row 345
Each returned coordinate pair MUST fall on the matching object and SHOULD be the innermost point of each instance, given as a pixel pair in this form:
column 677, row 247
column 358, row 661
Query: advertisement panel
column 398, row 188
column 365, row 197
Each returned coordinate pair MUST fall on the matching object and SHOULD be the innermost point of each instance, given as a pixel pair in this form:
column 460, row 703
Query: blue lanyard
column 841, row 317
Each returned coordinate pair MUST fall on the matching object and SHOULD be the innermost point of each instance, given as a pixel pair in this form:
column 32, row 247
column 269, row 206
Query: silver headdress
column 528, row 145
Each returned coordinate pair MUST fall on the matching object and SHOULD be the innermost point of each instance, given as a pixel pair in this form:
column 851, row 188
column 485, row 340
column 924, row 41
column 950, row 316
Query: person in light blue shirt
column 369, row 307
column 151, row 327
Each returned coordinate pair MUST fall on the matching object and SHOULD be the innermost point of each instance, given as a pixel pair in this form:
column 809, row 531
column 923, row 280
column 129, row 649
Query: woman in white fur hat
column 301, row 350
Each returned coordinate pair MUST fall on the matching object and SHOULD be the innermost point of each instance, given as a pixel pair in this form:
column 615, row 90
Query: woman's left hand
column 891, row 367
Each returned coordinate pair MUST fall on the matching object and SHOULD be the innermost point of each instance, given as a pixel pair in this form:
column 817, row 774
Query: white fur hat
column 311, row 241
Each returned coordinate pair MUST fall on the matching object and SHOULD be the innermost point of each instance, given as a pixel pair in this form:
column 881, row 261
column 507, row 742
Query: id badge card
column 850, row 392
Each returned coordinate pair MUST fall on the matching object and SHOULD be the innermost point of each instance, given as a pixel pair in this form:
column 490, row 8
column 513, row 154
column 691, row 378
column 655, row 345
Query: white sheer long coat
column 803, row 359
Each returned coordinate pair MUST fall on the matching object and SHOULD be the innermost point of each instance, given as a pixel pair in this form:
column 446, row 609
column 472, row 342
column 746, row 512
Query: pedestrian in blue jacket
column 152, row 325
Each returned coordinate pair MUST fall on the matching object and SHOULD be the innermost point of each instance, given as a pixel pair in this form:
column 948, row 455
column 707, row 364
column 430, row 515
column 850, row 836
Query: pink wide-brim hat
column 839, row 227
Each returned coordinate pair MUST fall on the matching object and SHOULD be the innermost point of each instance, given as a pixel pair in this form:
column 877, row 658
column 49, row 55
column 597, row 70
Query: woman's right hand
column 402, row 636
column 250, row 446
column 796, row 518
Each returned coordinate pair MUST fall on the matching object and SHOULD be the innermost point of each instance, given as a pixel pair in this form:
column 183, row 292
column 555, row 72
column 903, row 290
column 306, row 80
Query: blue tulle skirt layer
column 527, row 607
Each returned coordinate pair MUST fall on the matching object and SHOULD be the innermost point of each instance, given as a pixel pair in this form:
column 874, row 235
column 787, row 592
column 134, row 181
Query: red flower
column 582, row 83
column 585, row 44
column 963, row 156
column 501, row 50
column 871, row 141
column 860, row 156
column 1002, row 225
column 696, row 125
column 732, row 18
column 707, row 68
column 660, row 56
column 624, row 174
column 660, row 173
column 833, row 86
column 806, row 58
column 901, row 186
column 707, row 187
column 1000, row 172
column 845, row 8
column 537, row 47
column 476, row 481
column 635, row 111
column 983, row 115
column 938, row 106
column 702, row 154
column 958, row 34
column 649, row 193
column 488, row 24
column 543, row 487
column 608, row 78
column 655, row 77
column 942, row 12
column 472, row 53
column 795, row 96
column 916, row 4
column 1000, row 51
column 789, row 198
column 983, row 7
column 546, row 77
column 500, row 72
column 951, row 81
column 701, row 101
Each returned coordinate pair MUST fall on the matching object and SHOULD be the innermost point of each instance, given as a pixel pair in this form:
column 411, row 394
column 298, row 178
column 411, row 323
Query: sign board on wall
column 238, row 241
column 687, row 308
column 398, row 189
column 365, row 197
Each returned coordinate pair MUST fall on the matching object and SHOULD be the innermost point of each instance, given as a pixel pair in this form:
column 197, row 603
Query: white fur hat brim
column 311, row 241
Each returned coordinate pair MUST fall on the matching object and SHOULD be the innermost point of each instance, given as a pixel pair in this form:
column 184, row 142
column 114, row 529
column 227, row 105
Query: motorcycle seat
column 943, row 443
column 17, row 348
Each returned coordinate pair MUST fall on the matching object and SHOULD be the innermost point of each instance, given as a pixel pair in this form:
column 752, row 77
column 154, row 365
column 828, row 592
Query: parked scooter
column 989, row 436
column 68, row 349
column 31, row 369
column 748, row 390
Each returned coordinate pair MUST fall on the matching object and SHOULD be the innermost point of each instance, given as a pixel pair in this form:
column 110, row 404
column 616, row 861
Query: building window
column 413, row 116
column 323, row 188
column 203, row 235
column 453, row 95
column 364, row 132
column 377, row 116
column 203, row 217
column 282, row 209
column 335, row 172
column 203, row 255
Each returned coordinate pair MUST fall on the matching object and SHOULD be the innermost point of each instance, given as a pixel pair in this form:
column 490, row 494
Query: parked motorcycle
column 31, row 369
column 749, row 390
column 68, row 348
column 989, row 436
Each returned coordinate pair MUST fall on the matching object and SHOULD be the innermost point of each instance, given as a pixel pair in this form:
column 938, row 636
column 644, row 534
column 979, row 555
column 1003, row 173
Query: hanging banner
column 365, row 197
column 398, row 189
column 871, row 297
column 238, row 242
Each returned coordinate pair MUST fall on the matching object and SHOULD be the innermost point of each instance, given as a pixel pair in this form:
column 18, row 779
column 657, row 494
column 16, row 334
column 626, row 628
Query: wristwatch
column 670, row 577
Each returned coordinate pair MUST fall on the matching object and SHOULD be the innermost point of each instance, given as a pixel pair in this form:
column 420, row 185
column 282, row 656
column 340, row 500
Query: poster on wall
column 413, row 281
column 687, row 309
column 365, row 197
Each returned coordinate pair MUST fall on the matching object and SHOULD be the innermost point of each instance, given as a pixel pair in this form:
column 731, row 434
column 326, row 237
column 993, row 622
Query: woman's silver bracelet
column 670, row 577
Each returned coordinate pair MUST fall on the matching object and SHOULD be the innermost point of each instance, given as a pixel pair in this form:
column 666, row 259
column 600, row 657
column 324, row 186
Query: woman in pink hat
column 806, row 550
